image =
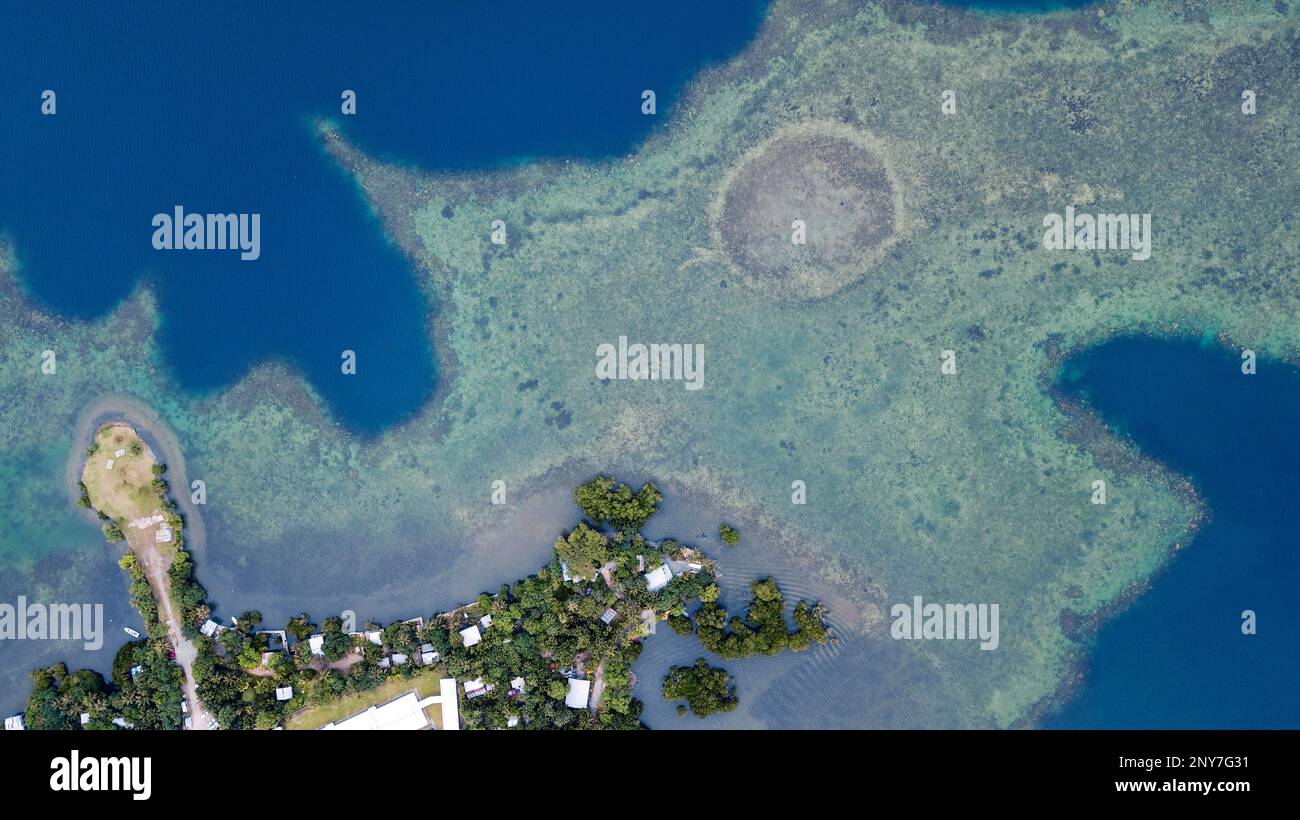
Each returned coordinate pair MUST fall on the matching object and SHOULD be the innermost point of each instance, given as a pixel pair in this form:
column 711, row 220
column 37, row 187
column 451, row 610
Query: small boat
column 128, row 630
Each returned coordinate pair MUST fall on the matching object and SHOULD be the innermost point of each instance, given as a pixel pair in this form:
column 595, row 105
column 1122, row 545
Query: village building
column 471, row 636
column 475, row 688
column 283, row 692
column 578, row 694
column 405, row 712
column 658, row 578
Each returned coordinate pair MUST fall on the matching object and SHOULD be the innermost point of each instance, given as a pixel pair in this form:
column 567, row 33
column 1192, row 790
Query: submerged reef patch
column 805, row 214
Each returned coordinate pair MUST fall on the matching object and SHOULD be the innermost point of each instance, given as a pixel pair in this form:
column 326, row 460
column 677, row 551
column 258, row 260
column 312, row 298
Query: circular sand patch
column 830, row 180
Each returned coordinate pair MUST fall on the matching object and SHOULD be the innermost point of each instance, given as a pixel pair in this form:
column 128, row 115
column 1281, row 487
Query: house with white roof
column 283, row 692
column 15, row 724
column 517, row 685
column 658, row 578
column 476, row 687
column 471, row 636
column 485, row 621
column 578, row 694
column 317, row 644
column 404, row 712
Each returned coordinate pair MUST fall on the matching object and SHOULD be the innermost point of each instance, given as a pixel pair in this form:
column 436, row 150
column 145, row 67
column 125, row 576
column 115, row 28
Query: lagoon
column 1178, row 657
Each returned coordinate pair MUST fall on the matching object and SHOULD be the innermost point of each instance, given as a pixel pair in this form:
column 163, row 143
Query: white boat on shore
column 128, row 630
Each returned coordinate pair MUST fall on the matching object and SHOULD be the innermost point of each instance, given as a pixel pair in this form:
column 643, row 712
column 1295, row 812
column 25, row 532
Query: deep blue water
column 210, row 106
column 1178, row 658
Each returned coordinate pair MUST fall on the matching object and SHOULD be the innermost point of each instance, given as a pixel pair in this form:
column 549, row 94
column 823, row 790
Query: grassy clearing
column 123, row 492
column 424, row 683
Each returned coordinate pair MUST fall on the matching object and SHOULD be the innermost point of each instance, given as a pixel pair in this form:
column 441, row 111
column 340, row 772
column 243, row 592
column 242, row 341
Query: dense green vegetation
column 583, row 550
column 602, row 501
column 145, row 693
column 706, row 689
column 729, row 534
column 762, row 631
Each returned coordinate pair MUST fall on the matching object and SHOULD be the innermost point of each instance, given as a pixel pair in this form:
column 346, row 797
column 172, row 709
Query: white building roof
column 517, row 684
column 317, row 644
column 283, row 692
column 428, row 658
column 658, row 578
column 375, row 637
column 403, row 712
column 210, row 627
column 485, row 621
column 471, row 635
column 579, row 691
column 14, row 724
column 450, row 704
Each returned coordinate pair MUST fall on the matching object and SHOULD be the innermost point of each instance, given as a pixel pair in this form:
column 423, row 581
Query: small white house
column 108, row 465
column 163, row 535
column 579, row 692
column 210, row 628
column 658, row 578
column 119, row 453
column 471, row 635
column 517, row 685
column 283, row 692
column 476, row 687
column 317, row 644
column 15, row 724
column 485, row 621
